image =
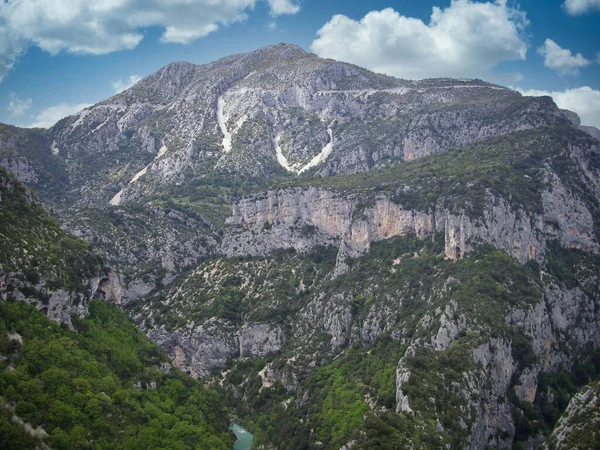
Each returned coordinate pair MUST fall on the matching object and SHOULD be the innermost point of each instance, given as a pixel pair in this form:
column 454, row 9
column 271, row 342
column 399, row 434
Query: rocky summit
column 352, row 260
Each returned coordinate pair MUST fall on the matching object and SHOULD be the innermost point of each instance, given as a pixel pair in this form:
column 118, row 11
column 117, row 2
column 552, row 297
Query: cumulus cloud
column 280, row 7
column 575, row 7
column 585, row 101
column 104, row 26
column 17, row 106
column 49, row 116
column 561, row 59
column 120, row 85
column 466, row 39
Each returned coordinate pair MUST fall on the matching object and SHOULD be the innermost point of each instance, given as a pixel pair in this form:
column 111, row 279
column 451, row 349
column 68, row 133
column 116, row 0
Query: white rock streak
column 101, row 125
column 222, row 119
column 139, row 174
column 79, row 121
column 116, row 200
column 323, row 155
column 161, row 151
column 281, row 159
column 315, row 161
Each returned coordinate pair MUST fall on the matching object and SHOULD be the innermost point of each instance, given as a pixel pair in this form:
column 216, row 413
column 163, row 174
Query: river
column 244, row 438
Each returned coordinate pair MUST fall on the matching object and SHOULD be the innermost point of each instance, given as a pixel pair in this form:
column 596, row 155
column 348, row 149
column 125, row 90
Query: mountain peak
column 282, row 51
column 283, row 48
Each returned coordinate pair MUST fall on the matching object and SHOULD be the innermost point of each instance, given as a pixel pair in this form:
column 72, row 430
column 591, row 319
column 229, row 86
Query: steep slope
column 43, row 265
column 27, row 154
column 578, row 427
column 177, row 147
column 481, row 265
column 273, row 111
column 105, row 386
column 358, row 260
column 514, row 192
column 88, row 378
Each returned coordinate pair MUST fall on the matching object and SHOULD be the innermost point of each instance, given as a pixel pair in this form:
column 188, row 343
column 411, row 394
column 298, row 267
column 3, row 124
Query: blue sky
column 57, row 56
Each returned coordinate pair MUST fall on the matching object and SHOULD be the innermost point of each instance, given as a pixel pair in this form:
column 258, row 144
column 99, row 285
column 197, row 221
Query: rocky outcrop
column 107, row 288
column 558, row 327
column 198, row 350
column 201, row 349
column 59, row 303
column 578, row 426
column 574, row 119
column 303, row 218
column 40, row 264
column 21, row 168
column 271, row 374
column 492, row 423
column 260, row 339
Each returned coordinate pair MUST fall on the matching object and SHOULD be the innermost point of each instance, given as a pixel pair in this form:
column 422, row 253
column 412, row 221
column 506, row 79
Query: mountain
column 359, row 261
column 178, row 145
column 41, row 264
column 74, row 371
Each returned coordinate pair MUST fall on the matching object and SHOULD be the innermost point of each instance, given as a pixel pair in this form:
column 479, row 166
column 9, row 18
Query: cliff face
column 43, row 265
column 506, row 341
column 276, row 113
column 212, row 345
column 578, row 427
column 278, row 208
column 304, row 218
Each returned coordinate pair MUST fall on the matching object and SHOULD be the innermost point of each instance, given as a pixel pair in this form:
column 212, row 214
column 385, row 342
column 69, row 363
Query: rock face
column 279, row 107
column 236, row 113
column 21, row 168
column 578, row 426
column 199, row 350
column 276, row 112
column 455, row 218
column 35, row 258
column 304, row 218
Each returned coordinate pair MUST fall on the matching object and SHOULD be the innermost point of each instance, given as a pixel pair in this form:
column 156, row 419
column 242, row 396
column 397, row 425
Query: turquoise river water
column 244, row 437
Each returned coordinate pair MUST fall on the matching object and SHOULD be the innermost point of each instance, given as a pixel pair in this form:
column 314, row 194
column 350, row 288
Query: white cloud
column 585, row 101
column 280, row 7
column 575, row 7
column 17, row 106
column 104, row 26
column 11, row 46
column 49, row 116
column 561, row 59
column 120, row 85
column 466, row 39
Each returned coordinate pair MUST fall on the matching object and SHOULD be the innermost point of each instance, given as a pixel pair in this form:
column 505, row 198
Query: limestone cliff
column 43, row 265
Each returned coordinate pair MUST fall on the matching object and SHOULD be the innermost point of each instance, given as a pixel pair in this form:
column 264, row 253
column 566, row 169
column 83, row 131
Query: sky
column 59, row 56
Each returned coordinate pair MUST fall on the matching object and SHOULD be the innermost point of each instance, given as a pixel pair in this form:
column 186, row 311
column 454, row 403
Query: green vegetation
column 31, row 147
column 484, row 285
column 353, row 396
column 334, row 407
column 240, row 290
column 337, row 405
column 34, row 245
column 208, row 195
column 555, row 390
column 461, row 179
column 104, row 386
column 571, row 268
column 582, row 422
